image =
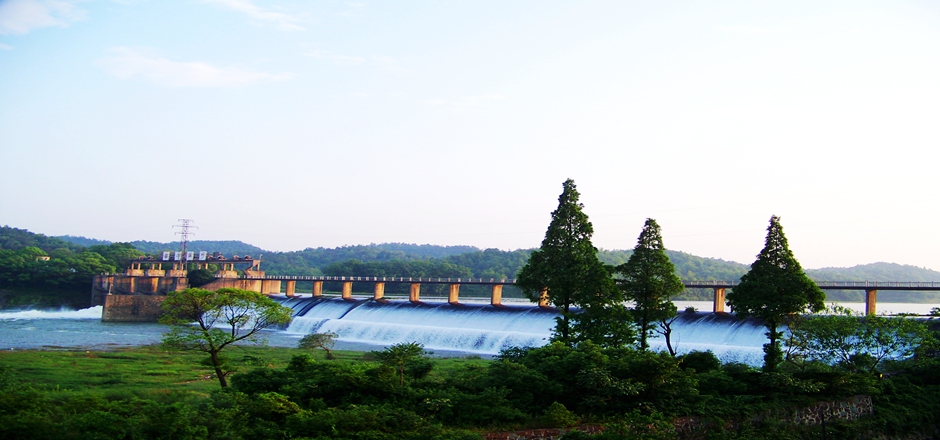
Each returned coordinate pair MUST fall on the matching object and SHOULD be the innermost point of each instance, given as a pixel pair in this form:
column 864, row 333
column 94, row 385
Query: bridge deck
column 825, row 285
column 836, row 285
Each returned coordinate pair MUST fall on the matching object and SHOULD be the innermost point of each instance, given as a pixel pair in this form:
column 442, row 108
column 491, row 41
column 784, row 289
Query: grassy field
column 151, row 370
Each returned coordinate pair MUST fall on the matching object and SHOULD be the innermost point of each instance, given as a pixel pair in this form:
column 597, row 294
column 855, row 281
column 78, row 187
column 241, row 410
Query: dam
column 486, row 329
column 453, row 324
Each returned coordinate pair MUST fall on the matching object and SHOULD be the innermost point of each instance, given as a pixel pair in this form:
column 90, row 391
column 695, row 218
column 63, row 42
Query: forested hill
column 227, row 247
column 309, row 261
column 874, row 272
column 487, row 263
column 15, row 239
column 75, row 259
column 688, row 266
column 47, row 271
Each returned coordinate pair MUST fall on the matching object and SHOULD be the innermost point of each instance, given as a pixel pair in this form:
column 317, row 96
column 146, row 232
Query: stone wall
column 542, row 434
column 132, row 308
column 237, row 283
column 693, row 427
column 104, row 285
column 841, row 410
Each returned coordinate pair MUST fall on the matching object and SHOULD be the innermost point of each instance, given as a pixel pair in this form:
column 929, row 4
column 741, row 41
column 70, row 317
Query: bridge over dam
column 273, row 285
column 136, row 295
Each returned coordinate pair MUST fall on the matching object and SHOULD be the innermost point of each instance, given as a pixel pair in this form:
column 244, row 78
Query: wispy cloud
column 5, row 47
column 748, row 29
column 469, row 101
column 336, row 58
column 19, row 17
column 385, row 63
column 283, row 21
column 355, row 8
column 130, row 63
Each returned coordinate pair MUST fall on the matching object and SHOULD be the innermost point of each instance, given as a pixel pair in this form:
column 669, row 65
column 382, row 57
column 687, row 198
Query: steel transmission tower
column 184, row 233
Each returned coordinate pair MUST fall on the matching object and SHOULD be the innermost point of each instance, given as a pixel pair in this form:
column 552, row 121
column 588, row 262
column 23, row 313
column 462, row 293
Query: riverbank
column 147, row 392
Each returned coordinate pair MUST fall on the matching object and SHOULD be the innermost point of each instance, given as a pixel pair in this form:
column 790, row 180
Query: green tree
column 117, row 254
column 567, row 271
column 314, row 341
column 855, row 342
column 400, row 356
column 200, row 277
column 650, row 281
column 221, row 318
column 774, row 289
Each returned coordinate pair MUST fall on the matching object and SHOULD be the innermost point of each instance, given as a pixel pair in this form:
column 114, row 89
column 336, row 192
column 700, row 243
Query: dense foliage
column 210, row 321
column 495, row 263
column 20, row 283
column 47, row 271
column 649, row 279
column 566, row 273
column 853, row 341
column 399, row 393
column 774, row 289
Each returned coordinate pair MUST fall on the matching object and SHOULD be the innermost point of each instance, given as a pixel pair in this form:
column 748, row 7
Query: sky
column 295, row 124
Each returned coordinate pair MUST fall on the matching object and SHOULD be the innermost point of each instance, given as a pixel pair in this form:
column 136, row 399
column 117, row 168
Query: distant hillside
column 227, row 247
column 878, row 272
column 82, row 241
column 494, row 263
column 875, row 272
column 41, row 271
column 688, row 266
column 311, row 261
column 15, row 239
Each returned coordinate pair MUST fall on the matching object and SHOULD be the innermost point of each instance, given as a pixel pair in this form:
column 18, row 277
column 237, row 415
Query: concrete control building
column 136, row 295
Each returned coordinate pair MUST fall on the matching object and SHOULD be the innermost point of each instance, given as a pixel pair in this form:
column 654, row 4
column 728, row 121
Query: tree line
column 496, row 263
column 591, row 296
column 50, row 271
column 397, row 392
column 631, row 391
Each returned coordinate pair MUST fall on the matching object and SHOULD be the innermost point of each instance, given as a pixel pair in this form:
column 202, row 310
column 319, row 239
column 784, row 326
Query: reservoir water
column 368, row 325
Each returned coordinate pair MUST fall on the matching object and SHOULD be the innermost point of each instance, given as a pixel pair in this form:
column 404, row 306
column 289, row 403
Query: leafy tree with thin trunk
column 853, row 341
column 314, row 341
column 567, row 271
column 649, row 279
column 208, row 321
column 399, row 356
column 775, row 288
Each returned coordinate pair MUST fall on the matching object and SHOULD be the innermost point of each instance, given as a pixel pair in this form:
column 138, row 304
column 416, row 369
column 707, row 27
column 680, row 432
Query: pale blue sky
column 294, row 124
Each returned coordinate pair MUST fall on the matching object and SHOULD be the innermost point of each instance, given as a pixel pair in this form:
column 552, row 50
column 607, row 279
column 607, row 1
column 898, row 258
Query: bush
column 557, row 416
column 700, row 361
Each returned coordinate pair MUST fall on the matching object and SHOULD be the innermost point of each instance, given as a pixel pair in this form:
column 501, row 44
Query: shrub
column 700, row 361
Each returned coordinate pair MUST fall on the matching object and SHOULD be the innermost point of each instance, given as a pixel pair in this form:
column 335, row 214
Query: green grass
column 149, row 370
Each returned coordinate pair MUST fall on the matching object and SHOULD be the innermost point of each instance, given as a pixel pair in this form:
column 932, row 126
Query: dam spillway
column 486, row 330
column 472, row 328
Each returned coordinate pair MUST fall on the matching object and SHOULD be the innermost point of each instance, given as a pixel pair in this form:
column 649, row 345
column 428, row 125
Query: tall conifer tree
column 567, row 269
column 649, row 279
column 775, row 288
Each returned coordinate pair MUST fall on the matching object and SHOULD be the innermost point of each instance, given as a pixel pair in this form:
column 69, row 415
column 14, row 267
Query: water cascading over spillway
column 484, row 329
column 471, row 328
column 730, row 338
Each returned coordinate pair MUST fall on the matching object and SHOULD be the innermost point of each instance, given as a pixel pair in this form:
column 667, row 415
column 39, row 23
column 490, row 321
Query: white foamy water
column 484, row 329
column 89, row 313
column 476, row 328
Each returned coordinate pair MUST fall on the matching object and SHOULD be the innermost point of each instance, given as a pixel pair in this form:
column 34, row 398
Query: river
column 446, row 330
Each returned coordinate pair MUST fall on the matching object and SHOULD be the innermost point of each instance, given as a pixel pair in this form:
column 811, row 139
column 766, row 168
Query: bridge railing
column 905, row 285
column 387, row 279
column 710, row 283
column 829, row 285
